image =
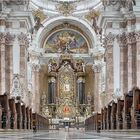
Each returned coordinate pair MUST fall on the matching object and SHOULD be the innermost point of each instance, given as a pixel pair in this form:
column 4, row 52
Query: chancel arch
column 51, row 24
column 66, row 45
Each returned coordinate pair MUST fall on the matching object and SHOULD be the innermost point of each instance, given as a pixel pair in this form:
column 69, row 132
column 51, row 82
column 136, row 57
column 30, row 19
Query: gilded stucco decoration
column 66, row 88
column 39, row 17
column 93, row 16
column 40, row 14
column 66, row 8
column 66, row 70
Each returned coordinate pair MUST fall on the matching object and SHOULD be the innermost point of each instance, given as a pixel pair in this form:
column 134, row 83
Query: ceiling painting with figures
column 66, row 41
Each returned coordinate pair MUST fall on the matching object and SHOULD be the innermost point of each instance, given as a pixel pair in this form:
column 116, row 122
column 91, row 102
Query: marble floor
column 62, row 135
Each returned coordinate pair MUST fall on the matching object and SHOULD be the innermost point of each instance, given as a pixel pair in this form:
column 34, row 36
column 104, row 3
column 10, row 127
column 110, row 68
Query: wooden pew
column 135, row 110
column 0, row 116
column 97, row 122
column 105, row 118
column 5, row 116
column 13, row 114
column 19, row 115
column 31, row 119
column 102, row 119
column 109, row 117
column 128, row 99
column 113, row 115
column 27, row 118
column 89, row 124
column 40, row 122
column 120, row 106
column 23, row 109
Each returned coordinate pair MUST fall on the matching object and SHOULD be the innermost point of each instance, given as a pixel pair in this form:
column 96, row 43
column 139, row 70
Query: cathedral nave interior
column 70, row 64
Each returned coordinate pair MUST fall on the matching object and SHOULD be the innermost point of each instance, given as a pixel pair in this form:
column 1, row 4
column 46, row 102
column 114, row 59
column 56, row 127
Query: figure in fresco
column 37, row 23
column 73, row 43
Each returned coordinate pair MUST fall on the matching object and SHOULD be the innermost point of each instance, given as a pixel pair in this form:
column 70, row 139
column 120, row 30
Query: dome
column 65, row 6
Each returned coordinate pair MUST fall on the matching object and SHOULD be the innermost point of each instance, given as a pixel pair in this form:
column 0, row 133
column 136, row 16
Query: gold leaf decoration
column 92, row 14
column 66, row 8
column 40, row 15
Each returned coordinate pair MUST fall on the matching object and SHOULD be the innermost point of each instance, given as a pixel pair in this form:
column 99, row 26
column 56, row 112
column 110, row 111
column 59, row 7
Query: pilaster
column 109, row 40
column 35, row 90
column 3, row 66
column 6, row 42
column 137, row 34
column 97, row 73
column 131, row 60
column 23, row 42
column 122, row 40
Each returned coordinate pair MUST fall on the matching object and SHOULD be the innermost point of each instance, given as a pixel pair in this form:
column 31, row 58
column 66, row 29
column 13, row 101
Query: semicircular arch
column 54, row 22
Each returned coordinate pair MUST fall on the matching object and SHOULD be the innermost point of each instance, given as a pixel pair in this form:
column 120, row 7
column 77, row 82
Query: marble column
column 122, row 40
column 6, row 43
column 23, row 44
column 138, row 59
column 97, row 99
column 35, row 90
column 11, row 63
column 3, row 65
column 131, row 60
column 109, row 41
